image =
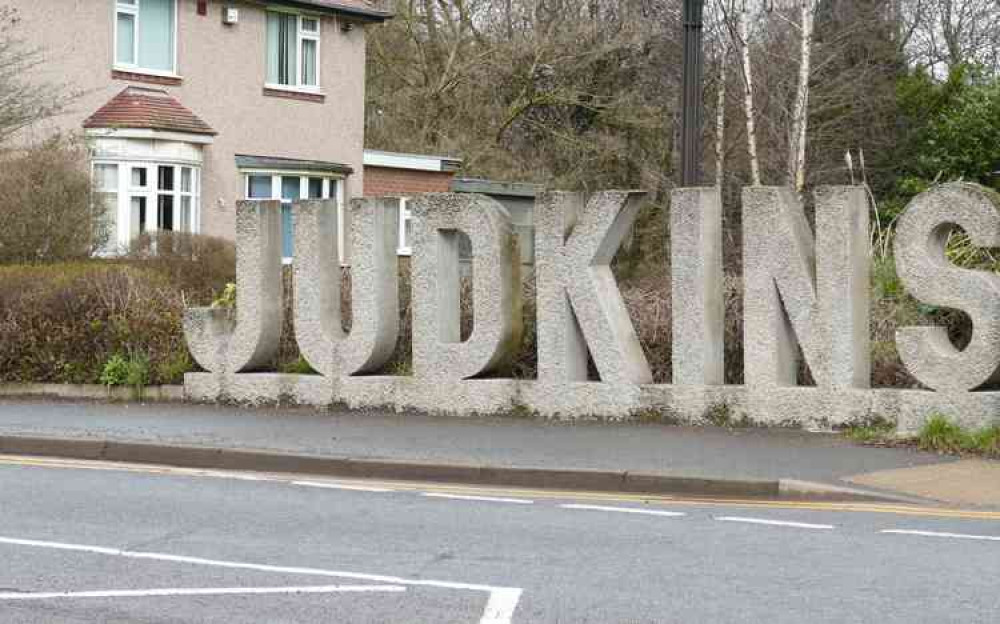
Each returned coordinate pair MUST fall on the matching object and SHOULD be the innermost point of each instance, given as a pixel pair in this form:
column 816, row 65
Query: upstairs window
column 293, row 51
column 145, row 35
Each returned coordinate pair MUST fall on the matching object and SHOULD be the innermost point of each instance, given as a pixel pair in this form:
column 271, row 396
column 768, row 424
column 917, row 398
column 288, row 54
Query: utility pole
column 691, row 105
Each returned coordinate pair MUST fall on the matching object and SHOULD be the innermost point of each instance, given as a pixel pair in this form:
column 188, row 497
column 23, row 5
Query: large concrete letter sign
column 496, row 290
column 696, row 286
column 374, row 291
column 579, row 305
column 929, row 276
column 215, row 342
column 789, row 295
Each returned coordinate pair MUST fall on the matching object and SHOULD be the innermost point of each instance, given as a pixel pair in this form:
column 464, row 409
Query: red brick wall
column 386, row 181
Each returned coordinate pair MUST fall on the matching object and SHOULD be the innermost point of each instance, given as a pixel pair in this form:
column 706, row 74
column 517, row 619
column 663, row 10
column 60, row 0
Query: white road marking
column 798, row 525
column 631, row 510
column 341, row 486
column 501, row 605
column 202, row 591
column 498, row 610
column 488, row 499
column 986, row 538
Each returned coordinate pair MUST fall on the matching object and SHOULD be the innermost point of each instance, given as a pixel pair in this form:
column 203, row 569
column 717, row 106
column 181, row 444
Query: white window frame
column 300, row 36
column 333, row 188
column 123, row 222
column 133, row 10
column 405, row 247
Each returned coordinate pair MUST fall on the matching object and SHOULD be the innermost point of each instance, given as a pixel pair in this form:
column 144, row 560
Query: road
column 87, row 542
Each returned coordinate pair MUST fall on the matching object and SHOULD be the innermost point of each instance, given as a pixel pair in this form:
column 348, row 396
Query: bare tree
column 23, row 101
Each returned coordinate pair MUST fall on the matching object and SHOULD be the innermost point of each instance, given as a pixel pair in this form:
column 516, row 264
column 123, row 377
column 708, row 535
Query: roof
column 276, row 163
column 418, row 162
column 153, row 109
column 494, row 187
column 359, row 8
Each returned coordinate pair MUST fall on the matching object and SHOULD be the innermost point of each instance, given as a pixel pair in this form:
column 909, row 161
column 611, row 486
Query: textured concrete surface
column 928, row 275
column 230, row 341
column 373, row 230
column 580, row 566
column 679, row 451
column 580, row 308
column 966, row 482
column 696, row 284
column 497, row 324
column 806, row 292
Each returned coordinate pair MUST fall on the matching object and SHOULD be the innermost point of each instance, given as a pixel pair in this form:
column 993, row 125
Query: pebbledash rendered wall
column 800, row 292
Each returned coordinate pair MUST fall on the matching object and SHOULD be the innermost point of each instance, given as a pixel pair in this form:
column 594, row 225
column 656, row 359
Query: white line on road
column 341, row 486
column 631, row 510
column 798, row 525
column 202, row 591
column 986, row 538
column 488, row 499
column 499, row 610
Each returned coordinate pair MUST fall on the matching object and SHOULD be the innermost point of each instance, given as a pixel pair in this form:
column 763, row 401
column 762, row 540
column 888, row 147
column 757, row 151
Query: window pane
column 140, row 177
column 290, row 188
column 165, row 212
column 165, row 178
column 260, row 187
column 156, row 35
column 309, row 63
column 138, row 216
column 186, row 186
column 315, row 188
column 109, row 221
column 106, row 177
column 310, row 25
column 282, row 41
column 286, row 231
column 185, row 220
column 125, row 54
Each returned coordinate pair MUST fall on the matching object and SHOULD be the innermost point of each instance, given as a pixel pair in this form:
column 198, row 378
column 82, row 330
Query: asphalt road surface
column 96, row 543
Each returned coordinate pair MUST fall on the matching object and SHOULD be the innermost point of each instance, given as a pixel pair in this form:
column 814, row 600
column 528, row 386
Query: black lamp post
column 691, row 103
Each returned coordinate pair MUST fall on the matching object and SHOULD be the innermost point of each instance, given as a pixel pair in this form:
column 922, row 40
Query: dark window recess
column 315, row 188
column 166, row 212
column 165, row 180
column 142, row 215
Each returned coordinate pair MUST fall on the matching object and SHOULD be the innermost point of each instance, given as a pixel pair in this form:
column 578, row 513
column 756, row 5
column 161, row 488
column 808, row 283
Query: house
column 191, row 105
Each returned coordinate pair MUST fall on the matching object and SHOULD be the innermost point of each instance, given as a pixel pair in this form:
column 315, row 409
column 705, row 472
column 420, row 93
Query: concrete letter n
column 697, row 306
column 928, row 275
column 374, row 285
column 221, row 343
column 797, row 291
column 438, row 351
column 579, row 304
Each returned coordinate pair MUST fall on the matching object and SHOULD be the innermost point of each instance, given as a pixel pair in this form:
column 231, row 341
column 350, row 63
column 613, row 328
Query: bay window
column 293, row 50
column 147, row 197
column 145, row 35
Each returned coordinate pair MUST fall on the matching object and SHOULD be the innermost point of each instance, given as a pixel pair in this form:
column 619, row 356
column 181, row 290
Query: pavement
column 86, row 542
column 497, row 451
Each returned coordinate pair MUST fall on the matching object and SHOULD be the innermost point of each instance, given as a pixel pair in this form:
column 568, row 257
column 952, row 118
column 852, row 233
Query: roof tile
column 139, row 107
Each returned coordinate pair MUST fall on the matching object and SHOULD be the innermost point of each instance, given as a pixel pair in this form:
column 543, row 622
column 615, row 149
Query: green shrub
column 47, row 210
column 115, row 371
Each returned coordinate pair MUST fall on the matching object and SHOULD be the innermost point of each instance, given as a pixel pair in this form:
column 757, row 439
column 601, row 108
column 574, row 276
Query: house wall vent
column 231, row 16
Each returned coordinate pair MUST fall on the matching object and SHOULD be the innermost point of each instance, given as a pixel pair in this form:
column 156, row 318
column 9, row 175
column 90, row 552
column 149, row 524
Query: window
column 405, row 227
column 148, row 197
column 145, row 33
column 293, row 50
column 288, row 188
column 106, row 187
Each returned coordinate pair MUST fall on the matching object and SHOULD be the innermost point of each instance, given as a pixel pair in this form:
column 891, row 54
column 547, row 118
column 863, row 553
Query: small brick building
column 390, row 173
